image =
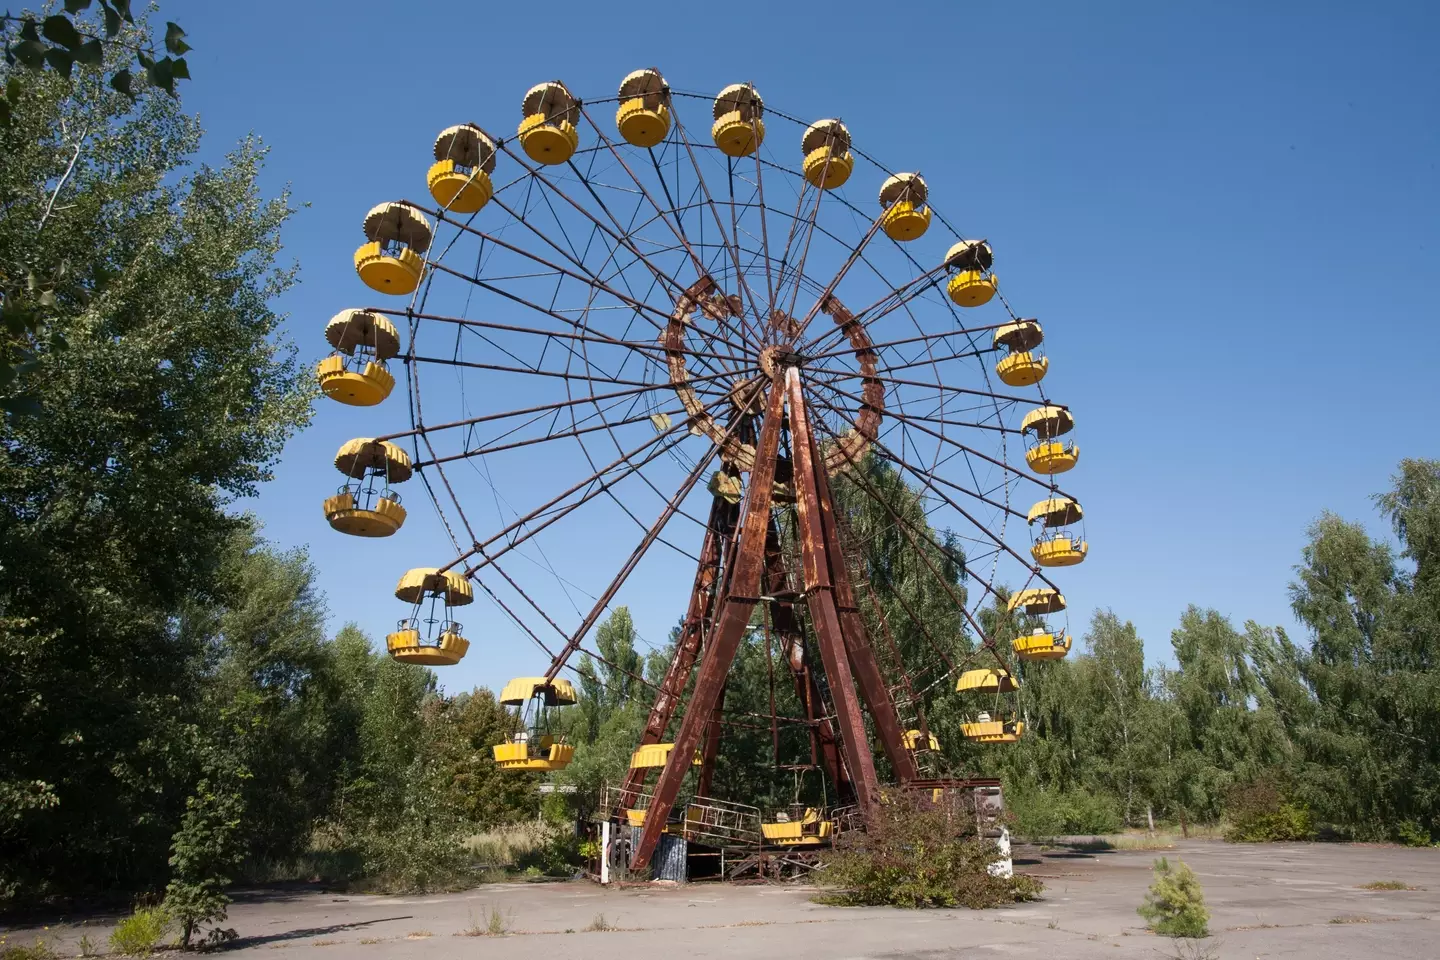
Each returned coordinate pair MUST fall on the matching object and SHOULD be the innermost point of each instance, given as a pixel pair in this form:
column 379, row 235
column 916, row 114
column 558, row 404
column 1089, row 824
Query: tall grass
column 504, row 847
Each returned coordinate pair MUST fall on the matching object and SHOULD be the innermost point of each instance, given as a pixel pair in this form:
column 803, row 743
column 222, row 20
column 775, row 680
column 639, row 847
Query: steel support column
column 857, row 643
column 820, row 594
column 741, row 595
column 711, row 748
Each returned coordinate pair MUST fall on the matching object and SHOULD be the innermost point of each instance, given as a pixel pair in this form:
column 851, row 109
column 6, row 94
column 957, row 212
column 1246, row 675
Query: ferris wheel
column 695, row 319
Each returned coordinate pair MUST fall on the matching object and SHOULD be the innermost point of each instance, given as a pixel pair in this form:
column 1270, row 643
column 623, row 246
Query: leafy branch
column 60, row 41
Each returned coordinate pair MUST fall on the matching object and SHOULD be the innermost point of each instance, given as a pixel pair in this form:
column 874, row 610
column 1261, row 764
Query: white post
column 605, row 852
column 1004, row 867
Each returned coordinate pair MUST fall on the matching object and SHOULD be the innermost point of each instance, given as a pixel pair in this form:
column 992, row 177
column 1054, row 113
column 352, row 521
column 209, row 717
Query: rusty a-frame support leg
column 741, row 595
column 711, row 750
column 821, row 596
column 857, row 643
column 687, row 647
column 792, row 645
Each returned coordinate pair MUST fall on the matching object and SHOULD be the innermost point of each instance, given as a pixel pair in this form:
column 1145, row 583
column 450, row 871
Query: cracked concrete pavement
column 1274, row 900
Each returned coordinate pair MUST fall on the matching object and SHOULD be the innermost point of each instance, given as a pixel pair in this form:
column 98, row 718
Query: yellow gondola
column 739, row 127
column 547, row 133
column 826, row 149
column 1036, row 600
column 971, row 284
column 459, row 180
column 1041, row 645
column 1052, row 457
column 726, row 486
column 997, row 680
column 1057, row 546
column 1023, row 365
column 533, row 743
column 653, row 755
column 356, row 373
column 644, row 115
column 430, row 636
column 915, row 740
column 1047, row 454
column 392, row 260
column 903, row 197
column 809, row 828
column 366, row 506
column 1060, row 551
column 986, row 730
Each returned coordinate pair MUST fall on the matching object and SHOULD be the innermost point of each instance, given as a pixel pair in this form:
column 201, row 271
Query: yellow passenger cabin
column 356, row 373
column 644, row 115
column 653, row 755
column 392, row 260
column 739, row 126
column 1023, row 365
column 547, row 133
column 903, row 198
column 971, row 282
column 1057, row 545
column 1043, row 427
column 1041, row 644
column 826, row 149
column 430, row 636
column 459, row 180
column 366, row 505
column 801, row 829
column 918, row 741
column 986, row 730
column 534, row 742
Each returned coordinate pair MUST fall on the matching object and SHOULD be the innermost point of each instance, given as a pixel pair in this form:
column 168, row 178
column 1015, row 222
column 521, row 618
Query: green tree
column 1175, row 905
column 611, row 683
column 173, row 396
column 467, row 726
column 1373, row 689
column 203, row 855
column 105, row 45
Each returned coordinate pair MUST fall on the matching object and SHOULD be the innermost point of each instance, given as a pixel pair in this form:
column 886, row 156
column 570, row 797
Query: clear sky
column 1226, row 218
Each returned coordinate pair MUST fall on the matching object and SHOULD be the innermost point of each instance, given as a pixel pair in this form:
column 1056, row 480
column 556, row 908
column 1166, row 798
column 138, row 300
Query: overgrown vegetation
column 143, row 932
column 1258, row 813
column 176, row 717
column 1175, row 905
column 918, row 853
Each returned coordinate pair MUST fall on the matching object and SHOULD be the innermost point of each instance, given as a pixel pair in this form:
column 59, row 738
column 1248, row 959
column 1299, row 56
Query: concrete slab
column 1276, row 900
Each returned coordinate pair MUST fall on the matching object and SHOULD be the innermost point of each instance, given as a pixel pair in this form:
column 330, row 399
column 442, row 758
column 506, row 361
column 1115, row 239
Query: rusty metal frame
column 741, row 594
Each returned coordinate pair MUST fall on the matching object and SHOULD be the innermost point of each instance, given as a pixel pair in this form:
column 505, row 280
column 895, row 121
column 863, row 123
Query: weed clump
column 139, row 934
column 918, row 853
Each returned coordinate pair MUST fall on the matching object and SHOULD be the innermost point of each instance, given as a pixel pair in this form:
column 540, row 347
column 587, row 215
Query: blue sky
column 1225, row 218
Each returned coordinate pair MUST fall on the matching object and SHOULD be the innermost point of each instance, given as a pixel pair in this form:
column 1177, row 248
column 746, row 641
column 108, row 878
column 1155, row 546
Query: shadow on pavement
column 304, row 932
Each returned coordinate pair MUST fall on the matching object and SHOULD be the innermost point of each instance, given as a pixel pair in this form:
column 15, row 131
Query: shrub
column 1040, row 812
column 559, row 856
column 1411, row 834
column 140, row 933
column 916, row 853
column 1259, row 813
column 39, row 951
column 1175, row 905
column 203, row 853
